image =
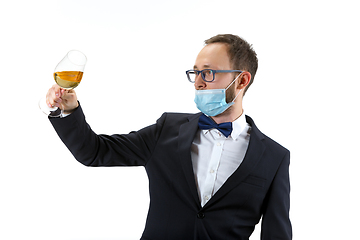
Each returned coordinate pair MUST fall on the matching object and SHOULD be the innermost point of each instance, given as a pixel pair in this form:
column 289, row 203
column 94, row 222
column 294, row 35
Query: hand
column 62, row 98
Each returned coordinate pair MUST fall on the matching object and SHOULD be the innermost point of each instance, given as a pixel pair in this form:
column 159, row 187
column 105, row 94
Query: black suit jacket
column 258, row 188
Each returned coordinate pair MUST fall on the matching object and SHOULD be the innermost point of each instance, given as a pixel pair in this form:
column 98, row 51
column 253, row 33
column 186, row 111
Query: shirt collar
column 239, row 125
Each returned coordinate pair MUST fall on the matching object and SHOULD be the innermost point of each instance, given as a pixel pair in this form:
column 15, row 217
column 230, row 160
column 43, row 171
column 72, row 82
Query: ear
column 244, row 80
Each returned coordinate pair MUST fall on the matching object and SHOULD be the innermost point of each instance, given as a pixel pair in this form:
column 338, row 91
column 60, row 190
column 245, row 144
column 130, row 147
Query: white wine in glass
column 68, row 79
column 68, row 74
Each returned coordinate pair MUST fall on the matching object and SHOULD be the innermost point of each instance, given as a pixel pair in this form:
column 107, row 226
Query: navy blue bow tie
column 207, row 123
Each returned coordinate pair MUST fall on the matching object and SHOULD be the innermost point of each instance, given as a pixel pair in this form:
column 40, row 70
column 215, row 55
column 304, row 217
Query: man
column 212, row 175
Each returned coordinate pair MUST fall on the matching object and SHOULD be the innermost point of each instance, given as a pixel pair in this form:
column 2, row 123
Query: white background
column 304, row 96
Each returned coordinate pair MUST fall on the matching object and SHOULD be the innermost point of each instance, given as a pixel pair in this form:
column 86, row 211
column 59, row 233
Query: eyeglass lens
column 206, row 75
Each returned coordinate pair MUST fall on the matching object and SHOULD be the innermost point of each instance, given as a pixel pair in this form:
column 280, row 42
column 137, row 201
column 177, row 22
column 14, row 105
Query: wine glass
column 67, row 74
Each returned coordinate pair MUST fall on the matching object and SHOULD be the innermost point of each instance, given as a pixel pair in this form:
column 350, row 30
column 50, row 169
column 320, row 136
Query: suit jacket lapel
column 253, row 155
column 187, row 133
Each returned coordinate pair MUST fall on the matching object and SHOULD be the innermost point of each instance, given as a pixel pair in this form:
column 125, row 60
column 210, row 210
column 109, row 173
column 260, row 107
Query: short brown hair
column 242, row 55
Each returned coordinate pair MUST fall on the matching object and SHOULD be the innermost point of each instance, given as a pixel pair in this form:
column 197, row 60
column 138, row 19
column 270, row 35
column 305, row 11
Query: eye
column 207, row 72
column 208, row 75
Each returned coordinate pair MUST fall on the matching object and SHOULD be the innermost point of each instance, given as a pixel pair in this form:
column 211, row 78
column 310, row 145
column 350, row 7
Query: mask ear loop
column 231, row 84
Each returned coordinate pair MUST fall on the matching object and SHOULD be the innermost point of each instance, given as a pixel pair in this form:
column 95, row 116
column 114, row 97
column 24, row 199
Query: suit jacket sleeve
column 90, row 149
column 276, row 222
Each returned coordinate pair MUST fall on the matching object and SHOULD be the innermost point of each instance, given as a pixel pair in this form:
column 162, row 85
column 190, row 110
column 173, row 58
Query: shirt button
column 206, row 198
column 218, row 144
column 211, row 171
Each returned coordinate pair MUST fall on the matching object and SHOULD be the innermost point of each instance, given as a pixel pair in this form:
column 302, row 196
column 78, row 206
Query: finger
column 53, row 96
column 57, row 90
column 62, row 92
column 49, row 97
column 53, row 102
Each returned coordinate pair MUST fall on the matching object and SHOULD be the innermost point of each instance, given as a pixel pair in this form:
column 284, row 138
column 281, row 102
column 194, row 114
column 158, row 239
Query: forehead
column 215, row 56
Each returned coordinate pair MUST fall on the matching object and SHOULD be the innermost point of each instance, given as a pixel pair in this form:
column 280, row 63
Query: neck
column 230, row 115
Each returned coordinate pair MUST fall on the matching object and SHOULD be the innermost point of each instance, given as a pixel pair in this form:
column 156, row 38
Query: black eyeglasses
column 208, row 75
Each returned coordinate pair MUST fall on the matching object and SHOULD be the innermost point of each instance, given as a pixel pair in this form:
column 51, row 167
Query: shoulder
column 179, row 118
column 181, row 115
column 269, row 142
column 173, row 121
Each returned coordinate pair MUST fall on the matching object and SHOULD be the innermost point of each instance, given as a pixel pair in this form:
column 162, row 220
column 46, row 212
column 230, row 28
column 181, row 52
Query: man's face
column 214, row 56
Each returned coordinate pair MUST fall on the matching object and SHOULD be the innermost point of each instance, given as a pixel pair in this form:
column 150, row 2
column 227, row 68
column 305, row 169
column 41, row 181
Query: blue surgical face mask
column 212, row 102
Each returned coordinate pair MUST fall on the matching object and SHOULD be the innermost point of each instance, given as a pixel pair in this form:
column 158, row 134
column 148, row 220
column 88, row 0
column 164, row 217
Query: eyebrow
column 205, row 66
